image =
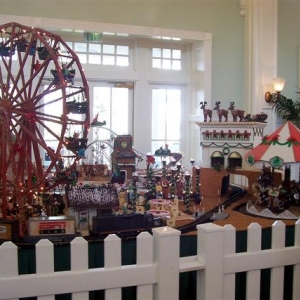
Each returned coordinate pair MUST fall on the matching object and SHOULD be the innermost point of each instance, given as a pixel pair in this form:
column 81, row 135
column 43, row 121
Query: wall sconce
column 278, row 84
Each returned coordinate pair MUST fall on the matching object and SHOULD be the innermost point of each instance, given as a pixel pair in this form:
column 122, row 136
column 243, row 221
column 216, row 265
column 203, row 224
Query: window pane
column 166, row 64
column 81, row 47
column 70, row 44
column 158, row 113
column 156, row 52
column 176, row 65
column 120, row 110
column 94, row 59
column 166, row 53
column 82, row 58
column 108, row 60
column 122, row 61
column 156, row 63
column 174, row 146
column 166, row 118
column 101, row 106
column 173, row 116
column 123, row 50
column 154, row 146
column 176, row 54
column 94, row 48
column 109, row 49
column 112, row 106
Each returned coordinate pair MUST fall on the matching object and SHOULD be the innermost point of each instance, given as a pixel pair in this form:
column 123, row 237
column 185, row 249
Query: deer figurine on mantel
column 206, row 112
column 221, row 112
column 236, row 113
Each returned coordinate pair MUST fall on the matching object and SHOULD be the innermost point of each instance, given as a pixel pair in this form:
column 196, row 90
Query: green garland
column 290, row 141
column 226, row 144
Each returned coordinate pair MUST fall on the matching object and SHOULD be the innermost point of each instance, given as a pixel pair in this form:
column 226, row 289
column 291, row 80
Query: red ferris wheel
column 44, row 111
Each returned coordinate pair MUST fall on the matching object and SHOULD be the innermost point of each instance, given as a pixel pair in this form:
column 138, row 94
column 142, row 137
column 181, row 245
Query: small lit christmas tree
column 173, row 183
column 197, row 188
column 187, row 192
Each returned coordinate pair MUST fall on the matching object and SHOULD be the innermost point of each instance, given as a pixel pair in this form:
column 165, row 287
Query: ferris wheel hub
column 5, row 105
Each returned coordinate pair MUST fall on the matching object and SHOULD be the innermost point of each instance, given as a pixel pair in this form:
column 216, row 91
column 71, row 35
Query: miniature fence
column 158, row 265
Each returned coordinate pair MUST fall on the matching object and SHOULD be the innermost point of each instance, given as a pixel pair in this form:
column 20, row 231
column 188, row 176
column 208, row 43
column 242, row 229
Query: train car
column 55, row 228
column 124, row 225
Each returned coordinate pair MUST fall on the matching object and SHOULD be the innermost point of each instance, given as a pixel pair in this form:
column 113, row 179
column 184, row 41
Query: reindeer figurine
column 236, row 113
column 206, row 112
column 221, row 112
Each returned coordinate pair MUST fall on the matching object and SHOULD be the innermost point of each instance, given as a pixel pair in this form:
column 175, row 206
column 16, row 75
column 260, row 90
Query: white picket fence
column 158, row 265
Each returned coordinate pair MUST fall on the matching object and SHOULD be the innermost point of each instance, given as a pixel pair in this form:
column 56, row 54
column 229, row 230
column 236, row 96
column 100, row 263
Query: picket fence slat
column 144, row 247
column 112, row 260
column 253, row 276
column 229, row 249
column 79, row 248
column 166, row 257
column 44, row 249
column 158, row 265
column 8, row 260
column 44, row 264
column 277, row 274
column 210, row 251
column 296, row 277
column 144, row 256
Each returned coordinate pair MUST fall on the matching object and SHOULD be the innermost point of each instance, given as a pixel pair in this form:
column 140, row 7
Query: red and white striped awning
column 281, row 147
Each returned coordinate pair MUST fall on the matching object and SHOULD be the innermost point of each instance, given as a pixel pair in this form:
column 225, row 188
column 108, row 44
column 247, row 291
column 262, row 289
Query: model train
column 124, row 225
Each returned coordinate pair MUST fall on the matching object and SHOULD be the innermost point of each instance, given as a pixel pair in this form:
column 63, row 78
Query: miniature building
column 123, row 156
column 225, row 144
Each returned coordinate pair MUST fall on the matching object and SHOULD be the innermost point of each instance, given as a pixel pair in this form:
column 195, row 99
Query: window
column 167, row 59
column 217, row 160
column 235, row 160
column 166, row 118
column 112, row 106
column 101, row 54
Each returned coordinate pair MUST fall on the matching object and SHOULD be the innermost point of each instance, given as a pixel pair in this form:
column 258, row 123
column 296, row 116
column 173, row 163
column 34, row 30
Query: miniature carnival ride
column 279, row 150
column 41, row 100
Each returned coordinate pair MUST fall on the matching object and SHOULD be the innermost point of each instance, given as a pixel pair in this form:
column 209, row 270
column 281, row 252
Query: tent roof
column 283, row 143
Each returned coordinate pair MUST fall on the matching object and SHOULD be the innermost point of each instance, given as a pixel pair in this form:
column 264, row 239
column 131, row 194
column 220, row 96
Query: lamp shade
column 278, row 84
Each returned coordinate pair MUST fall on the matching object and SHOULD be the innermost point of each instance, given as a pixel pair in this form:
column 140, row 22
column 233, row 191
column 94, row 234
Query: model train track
column 237, row 192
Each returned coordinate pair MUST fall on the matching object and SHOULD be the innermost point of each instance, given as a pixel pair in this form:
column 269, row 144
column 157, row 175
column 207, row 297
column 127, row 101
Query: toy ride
column 44, row 115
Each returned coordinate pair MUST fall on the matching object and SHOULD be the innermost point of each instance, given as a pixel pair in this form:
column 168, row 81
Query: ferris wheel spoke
column 49, row 130
column 24, row 131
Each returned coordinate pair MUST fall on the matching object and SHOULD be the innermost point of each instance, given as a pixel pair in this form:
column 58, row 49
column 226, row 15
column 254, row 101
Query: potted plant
column 288, row 109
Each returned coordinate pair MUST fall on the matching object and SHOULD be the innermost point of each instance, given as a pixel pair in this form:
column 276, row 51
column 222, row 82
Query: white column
column 260, row 54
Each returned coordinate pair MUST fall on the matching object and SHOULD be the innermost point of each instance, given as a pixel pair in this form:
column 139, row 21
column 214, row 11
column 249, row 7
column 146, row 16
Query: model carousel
column 277, row 151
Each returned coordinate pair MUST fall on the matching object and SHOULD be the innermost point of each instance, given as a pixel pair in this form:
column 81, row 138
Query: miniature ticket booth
column 123, row 157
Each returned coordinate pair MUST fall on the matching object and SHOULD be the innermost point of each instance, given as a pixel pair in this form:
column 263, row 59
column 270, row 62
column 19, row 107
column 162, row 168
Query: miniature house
column 225, row 144
column 224, row 147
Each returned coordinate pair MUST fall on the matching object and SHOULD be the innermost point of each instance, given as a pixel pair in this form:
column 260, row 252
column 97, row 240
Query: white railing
column 158, row 265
